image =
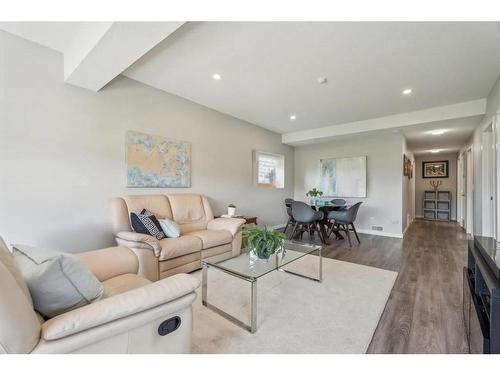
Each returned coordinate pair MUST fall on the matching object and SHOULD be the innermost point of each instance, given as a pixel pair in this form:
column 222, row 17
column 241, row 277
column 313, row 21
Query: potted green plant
column 263, row 241
column 314, row 194
column 231, row 209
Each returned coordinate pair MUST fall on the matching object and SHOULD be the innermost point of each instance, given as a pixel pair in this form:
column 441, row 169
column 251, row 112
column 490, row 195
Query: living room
column 230, row 187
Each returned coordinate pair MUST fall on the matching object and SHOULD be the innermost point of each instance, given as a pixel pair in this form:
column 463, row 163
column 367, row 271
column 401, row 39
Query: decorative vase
column 231, row 211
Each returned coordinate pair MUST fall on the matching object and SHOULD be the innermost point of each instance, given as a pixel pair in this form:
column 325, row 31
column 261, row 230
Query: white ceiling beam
column 448, row 112
column 102, row 51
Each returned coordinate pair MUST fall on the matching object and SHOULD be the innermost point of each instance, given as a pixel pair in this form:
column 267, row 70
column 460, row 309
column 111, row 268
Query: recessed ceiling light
column 322, row 80
column 293, row 117
column 407, row 91
column 435, row 151
column 437, row 132
column 216, row 76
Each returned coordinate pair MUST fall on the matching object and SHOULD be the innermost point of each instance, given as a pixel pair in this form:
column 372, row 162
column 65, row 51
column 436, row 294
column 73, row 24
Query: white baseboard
column 364, row 231
column 407, row 226
column 279, row 226
column 380, row 233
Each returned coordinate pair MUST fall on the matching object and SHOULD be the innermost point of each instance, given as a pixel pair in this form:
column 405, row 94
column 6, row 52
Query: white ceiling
column 269, row 70
column 55, row 35
column 456, row 133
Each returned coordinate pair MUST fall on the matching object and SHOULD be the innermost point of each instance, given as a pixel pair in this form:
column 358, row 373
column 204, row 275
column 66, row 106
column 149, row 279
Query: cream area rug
column 295, row 315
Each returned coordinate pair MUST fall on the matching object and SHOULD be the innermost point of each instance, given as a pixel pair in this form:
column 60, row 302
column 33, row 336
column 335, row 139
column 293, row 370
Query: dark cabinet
column 481, row 296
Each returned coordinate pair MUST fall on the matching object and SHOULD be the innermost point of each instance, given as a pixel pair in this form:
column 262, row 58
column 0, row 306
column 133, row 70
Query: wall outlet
column 379, row 228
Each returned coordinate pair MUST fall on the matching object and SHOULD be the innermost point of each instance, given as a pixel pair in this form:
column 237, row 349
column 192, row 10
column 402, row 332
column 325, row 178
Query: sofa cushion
column 175, row 247
column 158, row 205
column 8, row 261
column 123, row 283
column 110, row 262
column 212, row 238
column 19, row 324
column 191, row 211
column 57, row 281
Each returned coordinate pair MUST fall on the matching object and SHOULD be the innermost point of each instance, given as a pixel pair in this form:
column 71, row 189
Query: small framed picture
column 435, row 169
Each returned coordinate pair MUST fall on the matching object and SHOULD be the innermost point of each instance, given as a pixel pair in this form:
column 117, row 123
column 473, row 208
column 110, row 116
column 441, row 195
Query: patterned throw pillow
column 146, row 223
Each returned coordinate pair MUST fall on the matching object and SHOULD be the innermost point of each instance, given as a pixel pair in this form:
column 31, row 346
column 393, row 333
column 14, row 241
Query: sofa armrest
column 109, row 262
column 233, row 225
column 144, row 241
column 119, row 306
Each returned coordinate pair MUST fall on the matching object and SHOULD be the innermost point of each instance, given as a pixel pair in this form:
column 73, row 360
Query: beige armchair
column 134, row 316
column 202, row 236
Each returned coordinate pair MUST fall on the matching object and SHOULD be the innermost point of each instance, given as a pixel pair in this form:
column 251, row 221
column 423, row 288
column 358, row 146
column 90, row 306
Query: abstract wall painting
column 156, row 161
column 343, row 177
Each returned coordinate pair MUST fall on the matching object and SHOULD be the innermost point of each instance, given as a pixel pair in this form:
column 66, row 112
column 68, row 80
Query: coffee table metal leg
column 204, row 284
column 253, row 317
column 204, row 300
column 320, row 279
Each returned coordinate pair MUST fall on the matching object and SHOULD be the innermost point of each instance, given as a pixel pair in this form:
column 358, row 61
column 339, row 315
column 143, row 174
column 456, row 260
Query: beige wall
column 62, row 151
column 383, row 205
column 422, row 184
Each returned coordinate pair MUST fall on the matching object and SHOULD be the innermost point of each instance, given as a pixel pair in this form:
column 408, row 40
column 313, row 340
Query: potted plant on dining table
column 314, row 194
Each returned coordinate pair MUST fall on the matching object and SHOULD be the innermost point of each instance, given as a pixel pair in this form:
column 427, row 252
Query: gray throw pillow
column 57, row 281
column 170, row 228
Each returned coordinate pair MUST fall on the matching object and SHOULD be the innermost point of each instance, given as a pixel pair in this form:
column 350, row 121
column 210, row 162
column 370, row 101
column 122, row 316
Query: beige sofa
column 125, row 320
column 202, row 236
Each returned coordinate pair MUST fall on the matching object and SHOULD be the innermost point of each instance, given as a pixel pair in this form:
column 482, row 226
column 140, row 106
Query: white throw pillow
column 170, row 228
column 57, row 281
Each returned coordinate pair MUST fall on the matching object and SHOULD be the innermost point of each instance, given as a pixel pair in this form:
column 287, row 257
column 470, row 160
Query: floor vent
column 374, row 227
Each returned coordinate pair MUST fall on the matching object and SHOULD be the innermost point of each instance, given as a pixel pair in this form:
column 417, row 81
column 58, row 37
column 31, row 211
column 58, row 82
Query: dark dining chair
column 344, row 221
column 306, row 219
column 288, row 205
column 338, row 202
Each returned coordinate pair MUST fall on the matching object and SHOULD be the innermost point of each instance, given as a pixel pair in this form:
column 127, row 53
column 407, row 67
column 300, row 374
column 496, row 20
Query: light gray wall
column 492, row 106
column 383, row 205
column 62, row 154
column 422, row 184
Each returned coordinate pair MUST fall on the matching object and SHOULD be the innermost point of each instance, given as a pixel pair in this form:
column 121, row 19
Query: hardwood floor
column 424, row 311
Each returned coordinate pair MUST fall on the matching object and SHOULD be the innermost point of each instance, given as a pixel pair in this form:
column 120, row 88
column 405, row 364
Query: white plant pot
column 231, row 211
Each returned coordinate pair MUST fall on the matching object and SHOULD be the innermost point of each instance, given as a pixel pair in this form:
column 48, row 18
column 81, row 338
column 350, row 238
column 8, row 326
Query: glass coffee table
column 249, row 268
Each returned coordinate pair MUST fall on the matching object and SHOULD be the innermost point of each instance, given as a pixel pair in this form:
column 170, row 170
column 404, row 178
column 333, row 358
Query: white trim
column 364, row 231
column 470, row 190
column 380, row 233
column 447, row 112
column 279, row 226
column 407, row 226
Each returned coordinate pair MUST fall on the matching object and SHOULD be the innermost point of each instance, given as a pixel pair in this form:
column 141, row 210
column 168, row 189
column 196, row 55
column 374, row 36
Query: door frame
column 469, row 227
column 489, row 165
column 461, row 189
